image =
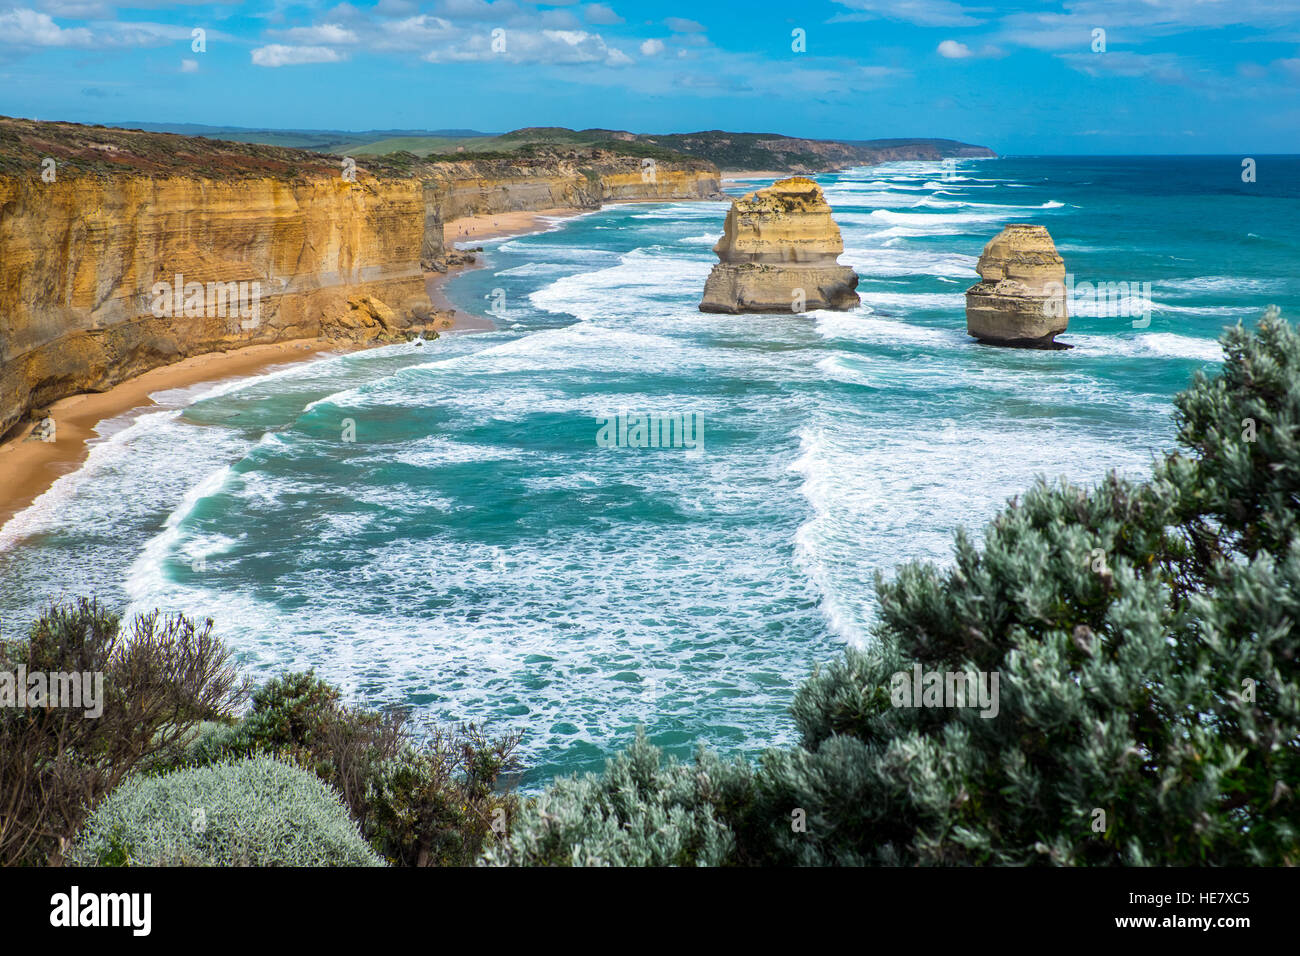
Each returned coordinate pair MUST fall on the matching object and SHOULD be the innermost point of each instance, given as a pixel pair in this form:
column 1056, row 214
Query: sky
column 1027, row 78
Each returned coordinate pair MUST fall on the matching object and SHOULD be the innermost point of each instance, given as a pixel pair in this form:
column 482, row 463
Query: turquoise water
column 474, row 552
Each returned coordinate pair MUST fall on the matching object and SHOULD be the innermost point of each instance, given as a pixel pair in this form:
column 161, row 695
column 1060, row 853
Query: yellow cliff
column 141, row 249
column 83, row 265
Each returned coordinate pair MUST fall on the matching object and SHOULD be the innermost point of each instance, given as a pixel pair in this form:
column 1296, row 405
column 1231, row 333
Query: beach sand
column 497, row 225
column 28, row 468
column 734, row 176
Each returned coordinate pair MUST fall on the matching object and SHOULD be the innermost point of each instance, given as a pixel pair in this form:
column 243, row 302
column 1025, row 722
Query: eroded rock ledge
column 1020, row 298
column 779, row 252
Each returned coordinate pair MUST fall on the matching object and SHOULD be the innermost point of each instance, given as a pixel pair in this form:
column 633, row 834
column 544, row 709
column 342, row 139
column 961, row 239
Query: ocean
column 438, row 526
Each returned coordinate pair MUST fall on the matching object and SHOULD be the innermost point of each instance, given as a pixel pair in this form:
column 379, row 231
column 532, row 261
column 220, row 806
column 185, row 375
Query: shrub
column 1145, row 642
column 255, row 812
column 437, row 802
column 639, row 812
column 290, row 711
column 160, row 679
column 422, row 800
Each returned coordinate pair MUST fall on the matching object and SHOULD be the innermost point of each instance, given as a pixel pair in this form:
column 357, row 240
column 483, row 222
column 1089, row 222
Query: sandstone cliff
column 259, row 260
column 252, row 244
column 1020, row 298
column 580, row 181
column 778, row 253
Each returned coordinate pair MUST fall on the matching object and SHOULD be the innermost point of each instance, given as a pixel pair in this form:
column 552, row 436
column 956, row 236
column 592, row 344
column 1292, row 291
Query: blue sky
column 1175, row 76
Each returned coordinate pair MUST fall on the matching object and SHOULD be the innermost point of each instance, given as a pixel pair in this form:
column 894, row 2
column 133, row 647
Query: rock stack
column 778, row 253
column 1020, row 298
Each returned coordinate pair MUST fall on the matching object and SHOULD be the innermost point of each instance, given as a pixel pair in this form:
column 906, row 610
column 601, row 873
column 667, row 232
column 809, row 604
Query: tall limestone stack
column 778, row 253
column 1020, row 298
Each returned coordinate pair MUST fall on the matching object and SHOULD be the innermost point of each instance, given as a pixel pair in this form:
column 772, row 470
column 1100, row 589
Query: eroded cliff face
column 1020, row 298
column 125, row 262
column 479, row 188
column 779, row 253
column 83, row 262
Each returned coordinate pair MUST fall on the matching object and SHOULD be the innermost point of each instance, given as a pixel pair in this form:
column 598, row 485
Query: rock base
column 736, row 288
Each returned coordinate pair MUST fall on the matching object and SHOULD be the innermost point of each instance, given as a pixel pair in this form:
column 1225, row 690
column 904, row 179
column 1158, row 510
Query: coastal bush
column 439, row 802
column 289, row 711
column 422, row 799
column 155, row 681
column 254, row 812
column 1144, row 641
column 641, row 811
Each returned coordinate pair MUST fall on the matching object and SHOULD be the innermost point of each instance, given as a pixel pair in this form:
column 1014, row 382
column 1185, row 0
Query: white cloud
column 75, row 9
column 1163, row 67
column 1136, row 21
column 1179, row 16
column 480, row 10
column 29, row 28
column 524, row 46
column 325, row 33
column 954, row 50
column 22, row 27
column 1047, row 31
column 277, row 54
column 682, row 25
column 189, row 66
column 652, row 47
column 413, row 33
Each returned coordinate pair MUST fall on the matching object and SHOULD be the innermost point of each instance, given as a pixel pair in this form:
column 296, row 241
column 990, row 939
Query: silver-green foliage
column 254, row 812
column 639, row 812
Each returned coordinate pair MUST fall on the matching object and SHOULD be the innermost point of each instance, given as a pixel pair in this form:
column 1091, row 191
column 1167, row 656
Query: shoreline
column 30, row 468
column 505, row 225
column 741, row 176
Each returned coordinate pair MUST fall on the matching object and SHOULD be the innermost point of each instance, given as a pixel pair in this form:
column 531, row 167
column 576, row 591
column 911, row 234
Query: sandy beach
column 28, row 468
column 498, row 225
column 736, row 175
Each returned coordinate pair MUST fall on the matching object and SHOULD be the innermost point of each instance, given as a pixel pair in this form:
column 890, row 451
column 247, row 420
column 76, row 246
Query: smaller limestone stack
column 778, row 253
column 1020, row 298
